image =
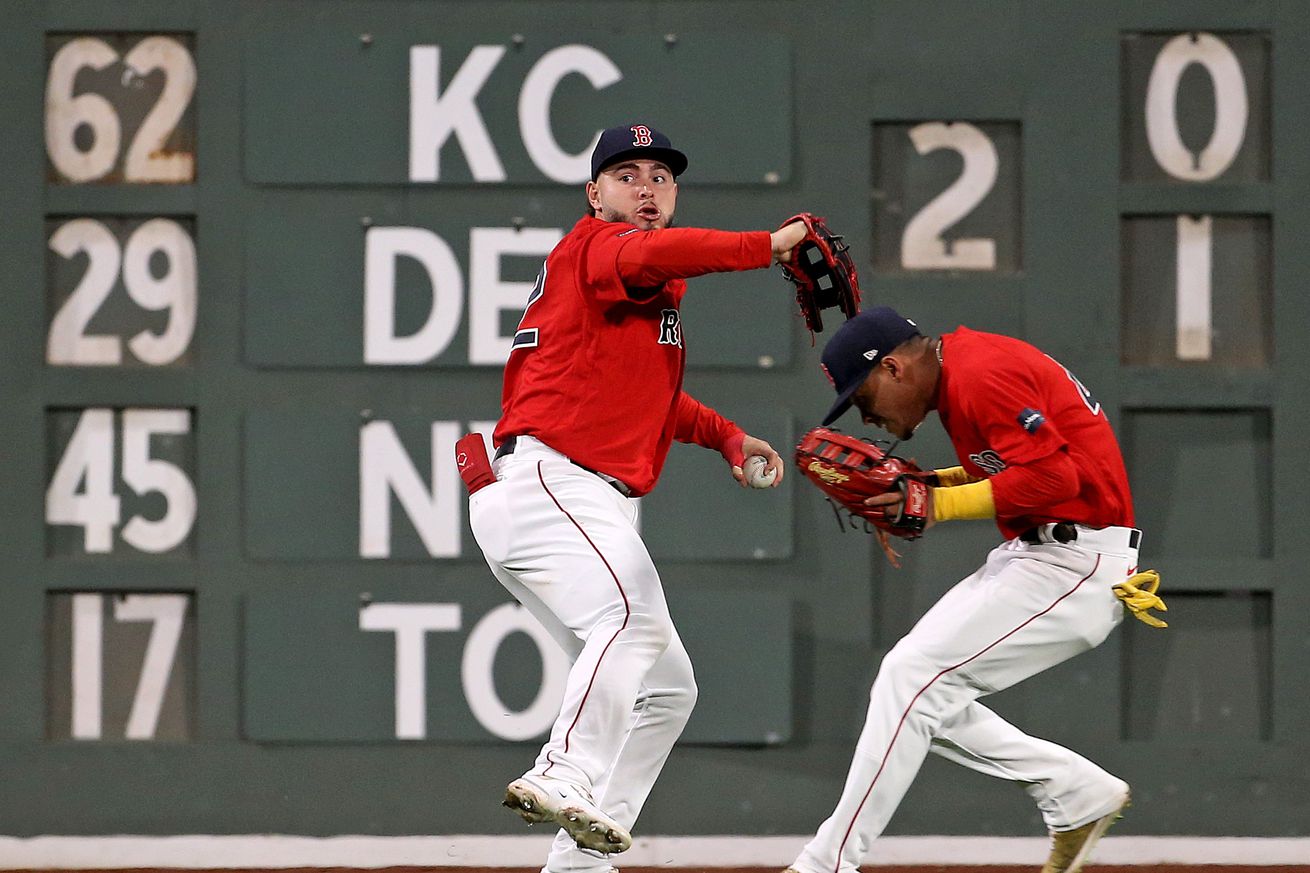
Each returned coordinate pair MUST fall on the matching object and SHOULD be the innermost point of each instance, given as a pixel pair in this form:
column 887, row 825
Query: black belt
column 510, row 443
column 1067, row 532
column 1061, row 532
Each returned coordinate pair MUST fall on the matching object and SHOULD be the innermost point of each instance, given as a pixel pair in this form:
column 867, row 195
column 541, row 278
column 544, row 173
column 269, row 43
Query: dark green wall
column 277, row 712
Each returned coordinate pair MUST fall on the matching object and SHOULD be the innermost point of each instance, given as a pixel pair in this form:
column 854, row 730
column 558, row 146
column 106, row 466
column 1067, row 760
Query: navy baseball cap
column 857, row 347
column 630, row 141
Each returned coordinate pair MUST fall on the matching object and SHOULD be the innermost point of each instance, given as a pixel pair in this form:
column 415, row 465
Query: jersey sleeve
column 1027, row 489
column 695, row 422
column 1007, row 407
column 643, row 260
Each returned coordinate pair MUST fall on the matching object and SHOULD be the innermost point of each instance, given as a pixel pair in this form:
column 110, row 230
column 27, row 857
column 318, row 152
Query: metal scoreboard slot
column 120, row 666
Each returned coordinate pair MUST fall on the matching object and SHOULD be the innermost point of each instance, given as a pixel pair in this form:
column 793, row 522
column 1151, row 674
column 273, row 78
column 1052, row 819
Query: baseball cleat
column 540, row 798
column 1070, row 850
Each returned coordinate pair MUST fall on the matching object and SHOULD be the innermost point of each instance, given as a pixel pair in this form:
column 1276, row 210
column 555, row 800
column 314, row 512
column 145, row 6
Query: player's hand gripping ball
column 756, row 474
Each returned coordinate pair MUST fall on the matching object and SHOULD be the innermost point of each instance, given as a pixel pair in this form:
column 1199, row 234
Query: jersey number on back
column 1089, row 401
column 529, row 337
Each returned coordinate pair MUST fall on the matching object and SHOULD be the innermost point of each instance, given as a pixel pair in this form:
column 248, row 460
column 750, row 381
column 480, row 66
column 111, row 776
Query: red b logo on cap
column 641, row 136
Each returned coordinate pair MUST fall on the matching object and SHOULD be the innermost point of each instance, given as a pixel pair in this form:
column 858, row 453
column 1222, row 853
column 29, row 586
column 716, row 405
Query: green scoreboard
column 263, row 263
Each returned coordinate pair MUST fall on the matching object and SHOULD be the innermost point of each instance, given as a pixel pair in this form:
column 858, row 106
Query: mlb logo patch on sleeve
column 1030, row 419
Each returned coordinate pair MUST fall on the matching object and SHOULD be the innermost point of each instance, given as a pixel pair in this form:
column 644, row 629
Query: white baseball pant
column 565, row 544
column 1029, row 607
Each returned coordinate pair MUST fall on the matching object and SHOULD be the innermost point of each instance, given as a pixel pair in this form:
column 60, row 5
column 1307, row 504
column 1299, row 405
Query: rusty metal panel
column 119, row 108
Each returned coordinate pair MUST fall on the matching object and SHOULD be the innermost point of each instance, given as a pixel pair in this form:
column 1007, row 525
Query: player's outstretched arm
column 695, row 422
column 785, row 240
column 651, row 258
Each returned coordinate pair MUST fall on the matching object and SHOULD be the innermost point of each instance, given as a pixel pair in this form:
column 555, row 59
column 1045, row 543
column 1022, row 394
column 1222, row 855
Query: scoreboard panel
column 265, row 259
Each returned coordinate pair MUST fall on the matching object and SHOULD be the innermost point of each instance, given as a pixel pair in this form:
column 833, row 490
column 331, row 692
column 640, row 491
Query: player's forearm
column 654, row 257
column 1031, row 489
column 950, row 476
column 697, row 423
column 969, row 500
column 960, row 496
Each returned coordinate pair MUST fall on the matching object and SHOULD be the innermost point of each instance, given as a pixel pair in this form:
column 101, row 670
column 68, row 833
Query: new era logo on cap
column 871, row 355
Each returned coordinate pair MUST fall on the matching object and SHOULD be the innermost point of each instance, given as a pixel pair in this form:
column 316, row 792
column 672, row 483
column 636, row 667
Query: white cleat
column 540, row 799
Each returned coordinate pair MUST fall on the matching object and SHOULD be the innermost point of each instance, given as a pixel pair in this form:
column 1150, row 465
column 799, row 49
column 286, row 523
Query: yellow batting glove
column 948, row 477
column 1138, row 594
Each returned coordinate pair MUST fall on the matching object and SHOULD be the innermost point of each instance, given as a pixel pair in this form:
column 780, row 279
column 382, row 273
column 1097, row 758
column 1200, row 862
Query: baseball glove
column 822, row 271
column 849, row 470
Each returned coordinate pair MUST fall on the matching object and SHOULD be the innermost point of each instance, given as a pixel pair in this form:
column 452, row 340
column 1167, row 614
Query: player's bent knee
column 645, row 636
column 908, row 675
column 904, row 662
column 682, row 699
column 687, row 691
column 684, row 702
column 652, row 629
column 671, row 684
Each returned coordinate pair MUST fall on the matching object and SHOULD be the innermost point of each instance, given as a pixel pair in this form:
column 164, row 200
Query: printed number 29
column 70, row 340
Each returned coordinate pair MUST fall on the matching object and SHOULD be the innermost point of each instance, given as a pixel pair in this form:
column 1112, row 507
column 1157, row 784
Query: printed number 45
column 81, row 491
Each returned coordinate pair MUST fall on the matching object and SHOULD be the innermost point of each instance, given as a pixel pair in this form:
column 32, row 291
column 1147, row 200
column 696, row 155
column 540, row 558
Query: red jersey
column 597, row 362
column 1005, row 404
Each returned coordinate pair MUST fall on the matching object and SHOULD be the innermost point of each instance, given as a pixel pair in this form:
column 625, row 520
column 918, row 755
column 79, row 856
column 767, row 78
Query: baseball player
column 592, row 401
column 1036, row 454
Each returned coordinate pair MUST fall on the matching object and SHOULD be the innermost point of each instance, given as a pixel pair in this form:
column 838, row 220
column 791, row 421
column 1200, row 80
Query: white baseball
column 756, row 475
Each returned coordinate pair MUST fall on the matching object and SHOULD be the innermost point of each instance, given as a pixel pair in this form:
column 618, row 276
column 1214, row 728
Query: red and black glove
column 850, row 470
column 823, row 272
